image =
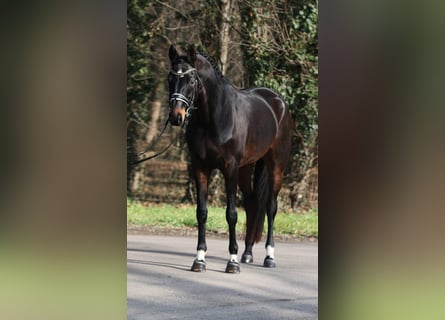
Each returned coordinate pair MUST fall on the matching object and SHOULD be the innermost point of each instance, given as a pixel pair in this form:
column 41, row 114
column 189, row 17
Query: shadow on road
column 160, row 264
column 171, row 265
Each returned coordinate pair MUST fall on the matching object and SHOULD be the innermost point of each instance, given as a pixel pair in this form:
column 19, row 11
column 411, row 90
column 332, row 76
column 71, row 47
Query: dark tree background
column 267, row 43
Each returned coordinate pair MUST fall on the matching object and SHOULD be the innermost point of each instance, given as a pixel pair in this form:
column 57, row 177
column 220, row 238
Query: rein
column 157, row 154
column 153, row 144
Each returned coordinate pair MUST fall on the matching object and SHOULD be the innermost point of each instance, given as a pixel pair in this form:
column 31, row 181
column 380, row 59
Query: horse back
column 274, row 101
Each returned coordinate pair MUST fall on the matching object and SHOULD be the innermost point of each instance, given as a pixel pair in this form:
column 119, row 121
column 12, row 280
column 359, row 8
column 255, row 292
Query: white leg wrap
column 201, row 255
column 270, row 251
column 233, row 257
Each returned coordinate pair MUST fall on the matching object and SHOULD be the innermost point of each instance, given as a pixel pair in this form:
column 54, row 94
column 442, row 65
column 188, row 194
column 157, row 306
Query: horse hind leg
column 256, row 201
column 276, row 160
column 269, row 261
column 275, row 183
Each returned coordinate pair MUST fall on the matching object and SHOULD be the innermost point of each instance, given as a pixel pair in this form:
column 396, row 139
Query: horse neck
column 211, row 100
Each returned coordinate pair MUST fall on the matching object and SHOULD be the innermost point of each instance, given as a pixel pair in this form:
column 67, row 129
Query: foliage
column 281, row 52
column 139, row 78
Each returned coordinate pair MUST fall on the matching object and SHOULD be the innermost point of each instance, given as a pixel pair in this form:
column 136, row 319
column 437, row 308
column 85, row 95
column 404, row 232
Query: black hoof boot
column 269, row 262
column 232, row 267
column 247, row 258
column 198, row 266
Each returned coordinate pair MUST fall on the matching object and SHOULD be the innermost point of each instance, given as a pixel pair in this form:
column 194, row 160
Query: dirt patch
column 193, row 233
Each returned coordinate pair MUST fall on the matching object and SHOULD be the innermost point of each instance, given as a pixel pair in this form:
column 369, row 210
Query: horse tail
column 261, row 194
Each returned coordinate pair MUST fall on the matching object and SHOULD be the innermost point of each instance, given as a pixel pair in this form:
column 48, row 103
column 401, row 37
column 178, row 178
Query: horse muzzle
column 177, row 116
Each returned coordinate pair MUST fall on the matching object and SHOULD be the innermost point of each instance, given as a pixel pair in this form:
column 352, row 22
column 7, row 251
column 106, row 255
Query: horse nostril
column 179, row 118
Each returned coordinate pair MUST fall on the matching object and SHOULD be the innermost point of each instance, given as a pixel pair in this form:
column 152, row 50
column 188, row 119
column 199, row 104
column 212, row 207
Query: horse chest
column 210, row 152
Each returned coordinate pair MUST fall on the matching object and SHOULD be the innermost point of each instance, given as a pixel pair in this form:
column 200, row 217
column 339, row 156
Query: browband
column 181, row 74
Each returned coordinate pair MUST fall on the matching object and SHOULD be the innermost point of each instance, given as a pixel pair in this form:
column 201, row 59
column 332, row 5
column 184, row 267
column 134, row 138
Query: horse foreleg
column 245, row 184
column 201, row 179
column 250, row 207
column 231, row 179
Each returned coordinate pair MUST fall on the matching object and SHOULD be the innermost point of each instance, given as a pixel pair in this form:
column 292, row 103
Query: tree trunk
column 224, row 34
column 153, row 124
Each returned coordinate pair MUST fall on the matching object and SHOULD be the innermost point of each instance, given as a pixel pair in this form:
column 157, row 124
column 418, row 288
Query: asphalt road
column 160, row 285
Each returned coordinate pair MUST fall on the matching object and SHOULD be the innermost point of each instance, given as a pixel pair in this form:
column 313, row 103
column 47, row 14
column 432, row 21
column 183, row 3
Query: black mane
column 213, row 64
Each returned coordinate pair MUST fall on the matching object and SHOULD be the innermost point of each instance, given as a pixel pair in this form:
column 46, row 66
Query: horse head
column 183, row 84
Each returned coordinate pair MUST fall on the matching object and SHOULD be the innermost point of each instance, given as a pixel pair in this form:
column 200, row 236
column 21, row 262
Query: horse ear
column 191, row 54
column 172, row 53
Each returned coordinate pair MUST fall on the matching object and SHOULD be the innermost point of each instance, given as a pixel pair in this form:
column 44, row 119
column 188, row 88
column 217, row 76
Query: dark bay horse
column 244, row 133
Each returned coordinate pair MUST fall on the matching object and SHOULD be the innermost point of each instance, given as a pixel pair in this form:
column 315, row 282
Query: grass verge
column 168, row 216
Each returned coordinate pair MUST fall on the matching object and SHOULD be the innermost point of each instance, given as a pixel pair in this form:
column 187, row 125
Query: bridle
column 189, row 102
